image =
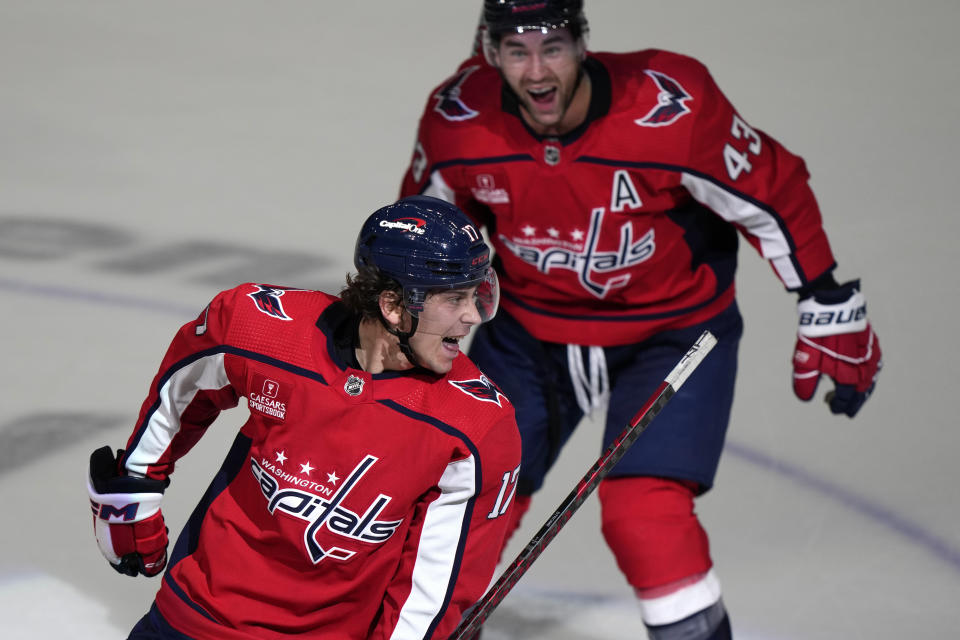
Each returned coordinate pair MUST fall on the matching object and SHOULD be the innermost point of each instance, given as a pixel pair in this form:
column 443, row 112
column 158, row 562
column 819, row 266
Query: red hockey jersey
column 627, row 225
column 351, row 505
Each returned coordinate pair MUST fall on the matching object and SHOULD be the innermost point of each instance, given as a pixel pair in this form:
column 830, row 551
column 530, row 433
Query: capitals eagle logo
column 449, row 104
column 670, row 102
column 267, row 300
column 481, row 389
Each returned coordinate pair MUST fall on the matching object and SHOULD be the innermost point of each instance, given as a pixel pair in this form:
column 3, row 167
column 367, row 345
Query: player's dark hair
column 361, row 295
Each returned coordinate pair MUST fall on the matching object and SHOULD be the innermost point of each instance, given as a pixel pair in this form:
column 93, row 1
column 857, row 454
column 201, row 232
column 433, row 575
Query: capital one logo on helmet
column 412, row 225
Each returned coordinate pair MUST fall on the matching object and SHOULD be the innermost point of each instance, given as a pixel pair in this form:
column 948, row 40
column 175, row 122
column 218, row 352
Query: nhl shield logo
column 551, row 155
column 353, row 386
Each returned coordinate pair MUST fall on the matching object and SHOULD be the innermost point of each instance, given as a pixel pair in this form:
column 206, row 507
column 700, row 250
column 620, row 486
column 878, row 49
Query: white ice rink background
column 152, row 154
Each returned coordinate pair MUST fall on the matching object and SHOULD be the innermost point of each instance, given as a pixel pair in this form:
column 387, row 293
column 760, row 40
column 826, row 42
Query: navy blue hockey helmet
column 517, row 16
column 427, row 244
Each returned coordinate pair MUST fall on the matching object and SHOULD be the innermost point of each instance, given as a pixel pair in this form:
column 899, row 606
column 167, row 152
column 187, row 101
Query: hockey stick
column 471, row 623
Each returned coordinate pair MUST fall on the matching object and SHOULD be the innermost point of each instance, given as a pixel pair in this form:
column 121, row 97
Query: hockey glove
column 127, row 520
column 835, row 339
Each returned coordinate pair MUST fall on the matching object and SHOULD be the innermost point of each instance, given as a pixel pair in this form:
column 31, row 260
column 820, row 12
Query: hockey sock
column 660, row 547
column 711, row 623
column 650, row 526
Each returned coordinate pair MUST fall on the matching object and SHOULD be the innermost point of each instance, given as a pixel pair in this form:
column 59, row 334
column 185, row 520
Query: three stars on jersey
column 306, row 468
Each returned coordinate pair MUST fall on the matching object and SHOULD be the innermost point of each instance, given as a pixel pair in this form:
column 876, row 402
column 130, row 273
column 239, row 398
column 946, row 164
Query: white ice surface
column 278, row 126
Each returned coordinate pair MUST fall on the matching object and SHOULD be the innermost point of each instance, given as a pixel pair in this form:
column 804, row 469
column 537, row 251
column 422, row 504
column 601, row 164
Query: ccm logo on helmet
column 413, row 225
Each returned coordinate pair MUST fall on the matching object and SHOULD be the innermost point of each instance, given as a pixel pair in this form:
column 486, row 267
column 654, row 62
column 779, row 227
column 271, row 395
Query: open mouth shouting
column 452, row 344
column 543, row 96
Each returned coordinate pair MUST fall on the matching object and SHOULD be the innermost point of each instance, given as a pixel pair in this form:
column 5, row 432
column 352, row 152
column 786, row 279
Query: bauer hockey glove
column 127, row 520
column 834, row 339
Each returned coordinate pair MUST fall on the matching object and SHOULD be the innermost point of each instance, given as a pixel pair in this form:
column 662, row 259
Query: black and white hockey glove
column 127, row 520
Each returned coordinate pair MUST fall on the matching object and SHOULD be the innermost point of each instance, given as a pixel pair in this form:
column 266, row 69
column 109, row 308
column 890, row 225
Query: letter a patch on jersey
column 481, row 389
column 670, row 102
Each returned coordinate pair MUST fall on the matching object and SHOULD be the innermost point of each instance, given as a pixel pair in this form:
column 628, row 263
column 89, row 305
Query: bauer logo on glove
column 821, row 321
column 835, row 339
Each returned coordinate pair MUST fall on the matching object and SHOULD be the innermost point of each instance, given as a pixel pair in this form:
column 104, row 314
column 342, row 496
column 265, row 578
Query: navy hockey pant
column 152, row 626
column 684, row 442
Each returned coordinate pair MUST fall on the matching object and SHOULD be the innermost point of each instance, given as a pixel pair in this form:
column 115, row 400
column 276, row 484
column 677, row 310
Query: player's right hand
column 127, row 520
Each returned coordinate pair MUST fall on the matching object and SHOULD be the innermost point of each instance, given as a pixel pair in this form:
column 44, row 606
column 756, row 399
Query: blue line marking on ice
column 879, row 514
column 99, row 297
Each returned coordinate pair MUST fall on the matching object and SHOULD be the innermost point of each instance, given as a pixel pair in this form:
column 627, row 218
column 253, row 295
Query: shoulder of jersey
column 467, row 98
column 271, row 318
column 466, row 392
column 275, row 302
column 633, row 75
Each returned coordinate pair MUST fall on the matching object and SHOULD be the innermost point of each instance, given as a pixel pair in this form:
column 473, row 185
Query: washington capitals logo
column 267, row 300
column 449, row 104
column 481, row 389
column 670, row 102
column 327, row 513
column 589, row 262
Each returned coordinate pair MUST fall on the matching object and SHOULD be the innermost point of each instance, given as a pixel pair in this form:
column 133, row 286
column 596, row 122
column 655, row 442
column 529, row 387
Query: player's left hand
column 835, row 339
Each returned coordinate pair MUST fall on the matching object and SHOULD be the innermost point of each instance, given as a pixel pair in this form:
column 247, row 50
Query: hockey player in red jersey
column 368, row 493
column 614, row 188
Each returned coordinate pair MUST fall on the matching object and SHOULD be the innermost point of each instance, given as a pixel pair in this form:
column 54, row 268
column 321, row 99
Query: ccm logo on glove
column 127, row 521
column 110, row 513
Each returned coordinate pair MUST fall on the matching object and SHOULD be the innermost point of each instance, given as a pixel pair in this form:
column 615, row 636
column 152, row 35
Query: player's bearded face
column 543, row 70
column 446, row 319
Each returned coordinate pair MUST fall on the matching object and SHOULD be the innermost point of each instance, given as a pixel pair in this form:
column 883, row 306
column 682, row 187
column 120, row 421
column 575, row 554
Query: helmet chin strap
column 404, row 337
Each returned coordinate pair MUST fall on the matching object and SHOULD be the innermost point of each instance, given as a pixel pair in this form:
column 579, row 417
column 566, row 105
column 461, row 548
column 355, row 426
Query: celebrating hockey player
column 613, row 187
column 368, row 493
